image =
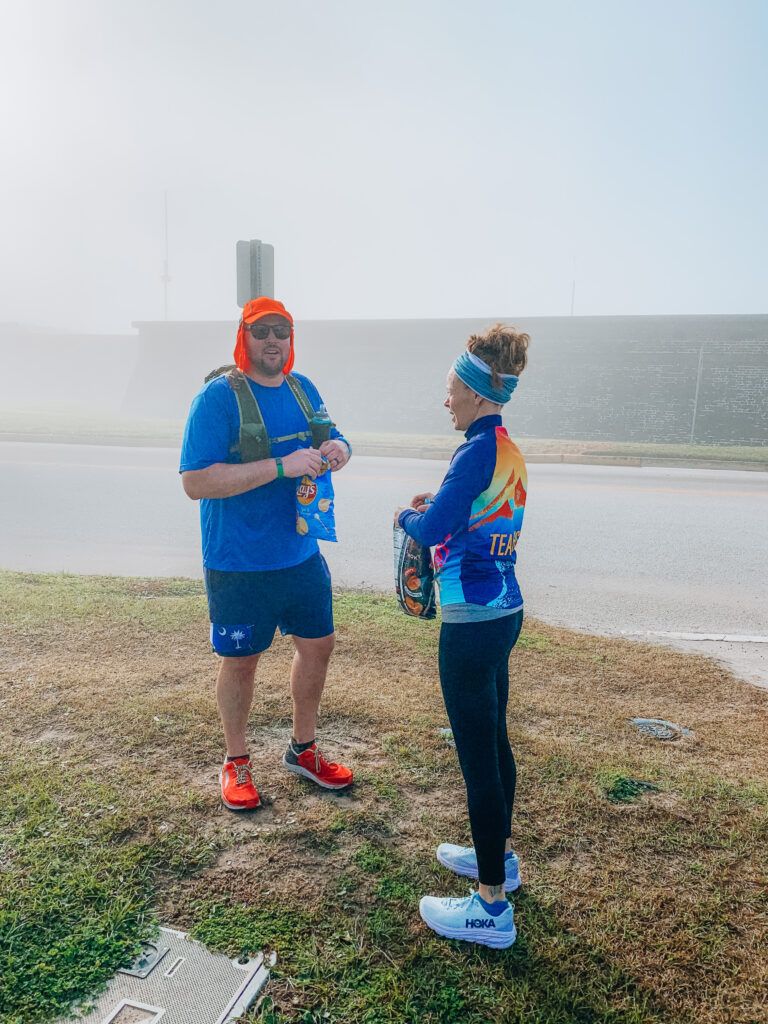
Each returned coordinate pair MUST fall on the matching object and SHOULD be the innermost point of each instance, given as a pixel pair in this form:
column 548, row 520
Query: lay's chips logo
column 306, row 491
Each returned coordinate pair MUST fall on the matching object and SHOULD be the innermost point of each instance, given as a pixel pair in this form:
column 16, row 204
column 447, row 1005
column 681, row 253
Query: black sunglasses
column 261, row 331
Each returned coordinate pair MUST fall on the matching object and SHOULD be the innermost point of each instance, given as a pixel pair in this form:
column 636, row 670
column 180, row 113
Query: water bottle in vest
column 320, row 427
column 314, row 498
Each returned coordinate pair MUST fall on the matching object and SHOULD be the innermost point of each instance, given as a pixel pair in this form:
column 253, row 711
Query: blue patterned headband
column 477, row 375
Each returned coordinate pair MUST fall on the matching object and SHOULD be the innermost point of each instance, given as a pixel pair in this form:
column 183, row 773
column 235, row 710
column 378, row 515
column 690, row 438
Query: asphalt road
column 604, row 549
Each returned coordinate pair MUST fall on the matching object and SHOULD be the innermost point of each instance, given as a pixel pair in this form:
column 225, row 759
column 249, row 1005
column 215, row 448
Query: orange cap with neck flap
column 255, row 310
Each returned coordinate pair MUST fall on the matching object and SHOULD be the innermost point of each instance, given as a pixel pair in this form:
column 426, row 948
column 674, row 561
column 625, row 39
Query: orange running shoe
column 312, row 765
column 238, row 792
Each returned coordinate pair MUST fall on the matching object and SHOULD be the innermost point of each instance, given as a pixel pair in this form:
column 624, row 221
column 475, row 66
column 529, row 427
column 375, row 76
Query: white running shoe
column 462, row 861
column 468, row 920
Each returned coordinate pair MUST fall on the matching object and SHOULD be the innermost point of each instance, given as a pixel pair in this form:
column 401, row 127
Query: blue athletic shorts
column 246, row 607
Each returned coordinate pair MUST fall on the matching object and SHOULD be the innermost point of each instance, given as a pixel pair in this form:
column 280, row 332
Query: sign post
column 255, row 270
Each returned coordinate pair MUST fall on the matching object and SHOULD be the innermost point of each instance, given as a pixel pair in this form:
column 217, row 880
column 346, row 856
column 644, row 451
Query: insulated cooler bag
column 414, row 576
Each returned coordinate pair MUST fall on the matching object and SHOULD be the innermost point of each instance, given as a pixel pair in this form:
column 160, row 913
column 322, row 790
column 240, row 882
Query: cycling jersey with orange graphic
column 475, row 520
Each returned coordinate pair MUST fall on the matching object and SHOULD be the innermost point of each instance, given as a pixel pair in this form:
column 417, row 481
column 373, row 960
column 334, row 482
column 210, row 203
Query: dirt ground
column 638, row 880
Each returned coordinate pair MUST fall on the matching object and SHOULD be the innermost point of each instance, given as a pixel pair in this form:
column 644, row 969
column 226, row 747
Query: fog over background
column 408, row 159
column 422, row 168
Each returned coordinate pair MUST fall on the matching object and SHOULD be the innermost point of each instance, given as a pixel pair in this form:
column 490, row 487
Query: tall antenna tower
column 165, row 277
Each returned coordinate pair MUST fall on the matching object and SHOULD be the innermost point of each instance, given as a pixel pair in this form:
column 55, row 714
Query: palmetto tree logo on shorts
column 237, row 635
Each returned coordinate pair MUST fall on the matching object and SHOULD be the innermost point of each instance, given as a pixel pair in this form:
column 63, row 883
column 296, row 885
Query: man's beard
column 268, row 369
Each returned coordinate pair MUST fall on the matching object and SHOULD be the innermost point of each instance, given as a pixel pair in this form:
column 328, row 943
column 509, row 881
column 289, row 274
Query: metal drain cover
column 659, row 728
column 190, row 986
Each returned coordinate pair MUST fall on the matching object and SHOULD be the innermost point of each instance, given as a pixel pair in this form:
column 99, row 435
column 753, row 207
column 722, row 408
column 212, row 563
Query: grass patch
column 620, row 789
column 84, row 426
column 533, row 642
column 439, row 446
column 371, row 859
column 639, row 905
column 237, row 930
column 77, row 881
column 374, row 615
column 64, row 601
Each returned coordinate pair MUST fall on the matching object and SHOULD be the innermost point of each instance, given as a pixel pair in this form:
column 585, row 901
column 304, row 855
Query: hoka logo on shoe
column 480, row 922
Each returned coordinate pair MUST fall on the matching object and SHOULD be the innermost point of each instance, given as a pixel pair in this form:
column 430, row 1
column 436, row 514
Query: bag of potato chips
column 414, row 576
column 314, row 507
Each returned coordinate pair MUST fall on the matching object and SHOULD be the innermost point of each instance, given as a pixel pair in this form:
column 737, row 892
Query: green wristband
column 279, row 464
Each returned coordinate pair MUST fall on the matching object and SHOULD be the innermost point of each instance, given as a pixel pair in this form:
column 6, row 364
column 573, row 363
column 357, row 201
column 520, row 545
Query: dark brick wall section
column 650, row 394
column 733, row 398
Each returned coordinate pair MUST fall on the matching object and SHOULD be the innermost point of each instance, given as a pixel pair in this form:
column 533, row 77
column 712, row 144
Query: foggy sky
column 409, row 159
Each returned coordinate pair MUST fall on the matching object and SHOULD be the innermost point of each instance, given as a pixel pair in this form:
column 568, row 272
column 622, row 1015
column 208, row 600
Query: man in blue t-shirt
column 260, row 573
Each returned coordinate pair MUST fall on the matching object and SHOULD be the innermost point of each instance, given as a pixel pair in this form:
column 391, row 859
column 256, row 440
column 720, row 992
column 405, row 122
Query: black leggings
column 475, row 680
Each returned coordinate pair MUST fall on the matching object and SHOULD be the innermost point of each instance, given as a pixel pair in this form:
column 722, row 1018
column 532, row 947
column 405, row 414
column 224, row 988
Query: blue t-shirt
column 254, row 531
column 475, row 520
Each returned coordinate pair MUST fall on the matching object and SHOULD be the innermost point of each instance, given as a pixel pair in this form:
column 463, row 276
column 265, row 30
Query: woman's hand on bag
column 420, row 501
column 398, row 511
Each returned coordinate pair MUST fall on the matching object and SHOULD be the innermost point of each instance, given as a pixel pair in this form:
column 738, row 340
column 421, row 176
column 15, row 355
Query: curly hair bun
column 503, row 348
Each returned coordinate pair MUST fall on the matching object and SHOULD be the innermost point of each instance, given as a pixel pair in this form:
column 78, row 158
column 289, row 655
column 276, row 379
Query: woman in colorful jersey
column 474, row 520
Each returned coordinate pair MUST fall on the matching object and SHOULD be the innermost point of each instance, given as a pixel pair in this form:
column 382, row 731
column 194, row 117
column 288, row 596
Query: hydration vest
column 254, row 444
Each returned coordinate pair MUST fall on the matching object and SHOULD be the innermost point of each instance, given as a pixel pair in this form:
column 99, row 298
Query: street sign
column 255, row 270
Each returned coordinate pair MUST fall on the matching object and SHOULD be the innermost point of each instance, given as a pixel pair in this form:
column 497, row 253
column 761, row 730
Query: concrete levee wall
column 665, row 379
column 40, row 368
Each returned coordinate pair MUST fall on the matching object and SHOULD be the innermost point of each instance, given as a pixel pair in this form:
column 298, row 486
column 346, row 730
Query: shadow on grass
column 366, row 958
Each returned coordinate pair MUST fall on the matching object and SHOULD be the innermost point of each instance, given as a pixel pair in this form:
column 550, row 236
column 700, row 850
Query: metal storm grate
column 659, row 728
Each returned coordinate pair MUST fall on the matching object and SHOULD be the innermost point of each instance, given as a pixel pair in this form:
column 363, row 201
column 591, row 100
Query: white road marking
column 730, row 638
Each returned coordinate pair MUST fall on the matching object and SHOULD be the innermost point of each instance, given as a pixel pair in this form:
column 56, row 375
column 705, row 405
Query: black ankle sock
column 299, row 748
column 237, row 757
